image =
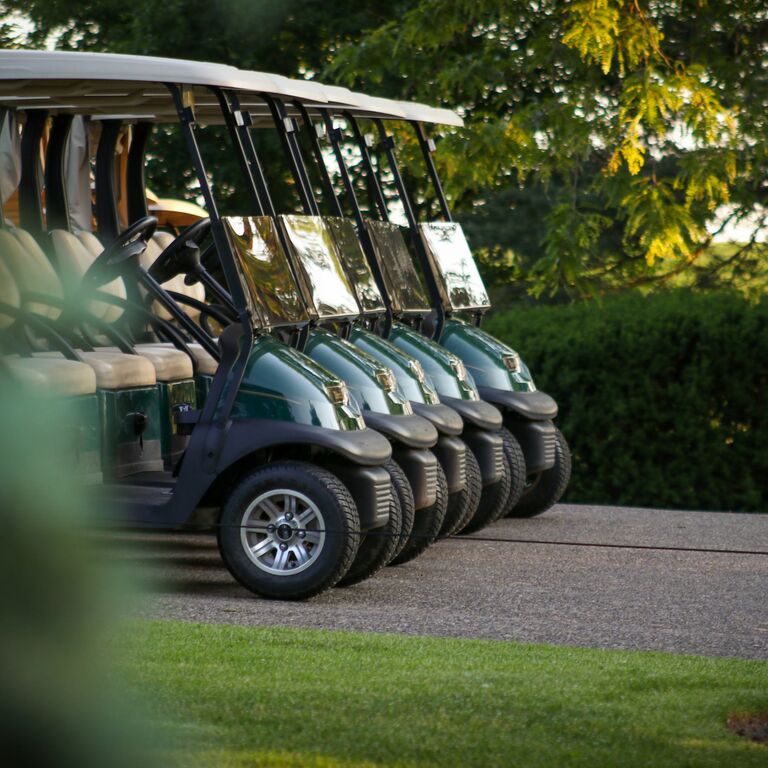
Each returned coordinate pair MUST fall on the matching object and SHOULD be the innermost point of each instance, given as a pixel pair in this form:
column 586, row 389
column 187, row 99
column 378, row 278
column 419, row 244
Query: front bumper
column 420, row 468
column 371, row 488
column 538, row 439
column 451, row 452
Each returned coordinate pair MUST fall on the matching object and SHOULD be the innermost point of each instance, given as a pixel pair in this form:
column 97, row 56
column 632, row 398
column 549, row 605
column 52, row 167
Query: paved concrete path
column 644, row 585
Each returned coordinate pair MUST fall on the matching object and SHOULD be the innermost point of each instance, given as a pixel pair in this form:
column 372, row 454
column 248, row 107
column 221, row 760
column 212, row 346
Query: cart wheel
column 289, row 530
column 546, row 488
column 427, row 523
column 492, row 502
column 513, row 455
column 402, row 489
column 463, row 505
column 377, row 547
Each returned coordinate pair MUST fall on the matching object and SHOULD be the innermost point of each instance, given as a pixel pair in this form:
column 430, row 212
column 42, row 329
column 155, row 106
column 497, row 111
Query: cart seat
column 170, row 364
column 65, row 378
column 206, row 363
column 73, row 257
column 9, row 292
column 155, row 247
column 78, row 253
column 114, row 370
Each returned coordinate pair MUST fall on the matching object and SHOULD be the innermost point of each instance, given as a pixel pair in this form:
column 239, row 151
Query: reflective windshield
column 402, row 279
column 265, row 271
column 356, row 265
column 315, row 251
column 454, row 266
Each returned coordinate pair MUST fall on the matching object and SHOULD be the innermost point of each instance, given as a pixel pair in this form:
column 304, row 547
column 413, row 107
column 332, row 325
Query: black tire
column 463, row 505
column 513, row 455
column 546, row 488
column 377, row 547
column 402, row 489
column 493, row 500
column 334, row 523
column 427, row 524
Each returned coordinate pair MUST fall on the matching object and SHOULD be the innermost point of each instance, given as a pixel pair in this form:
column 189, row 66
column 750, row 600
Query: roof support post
column 30, row 201
column 107, row 220
column 388, row 142
column 335, row 136
column 224, row 390
column 427, row 148
column 56, row 204
column 286, row 129
column 136, row 186
column 330, row 192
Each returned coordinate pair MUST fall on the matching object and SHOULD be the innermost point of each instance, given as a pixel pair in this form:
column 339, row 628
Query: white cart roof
column 108, row 84
column 117, row 85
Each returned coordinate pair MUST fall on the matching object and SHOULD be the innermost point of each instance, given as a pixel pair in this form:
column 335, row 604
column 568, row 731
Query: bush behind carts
column 664, row 398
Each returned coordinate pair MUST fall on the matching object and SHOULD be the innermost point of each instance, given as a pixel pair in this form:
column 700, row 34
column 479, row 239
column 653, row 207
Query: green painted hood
column 283, row 384
column 415, row 382
column 444, row 368
column 491, row 362
column 372, row 383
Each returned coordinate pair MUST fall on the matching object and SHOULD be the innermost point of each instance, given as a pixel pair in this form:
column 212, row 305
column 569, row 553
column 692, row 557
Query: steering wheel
column 112, row 261
column 182, row 256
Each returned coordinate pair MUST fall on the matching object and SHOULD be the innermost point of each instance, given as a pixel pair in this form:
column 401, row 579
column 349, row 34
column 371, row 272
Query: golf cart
column 278, row 459
column 459, row 300
column 378, row 262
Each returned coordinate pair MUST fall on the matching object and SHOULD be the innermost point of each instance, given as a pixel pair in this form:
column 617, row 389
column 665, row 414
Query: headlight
column 338, row 393
column 512, row 362
column 386, row 378
column 459, row 369
column 417, row 370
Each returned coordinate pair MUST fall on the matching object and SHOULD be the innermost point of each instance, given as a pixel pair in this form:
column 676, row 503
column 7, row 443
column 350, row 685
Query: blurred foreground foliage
column 61, row 701
column 663, row 398
column 606, row 141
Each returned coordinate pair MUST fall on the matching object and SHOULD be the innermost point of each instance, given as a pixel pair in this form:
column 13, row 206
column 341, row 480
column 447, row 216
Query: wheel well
column 231, row 476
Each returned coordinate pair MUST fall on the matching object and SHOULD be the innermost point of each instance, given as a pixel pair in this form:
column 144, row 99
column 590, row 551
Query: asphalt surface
column 603, row 577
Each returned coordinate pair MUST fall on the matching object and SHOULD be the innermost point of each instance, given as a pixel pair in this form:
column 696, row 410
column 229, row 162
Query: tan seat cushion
column 9, row 292
column 206, row 363
column 170, row 364
column 33, row 273
column 75, row 255
column 65, row 378
column 115, row 370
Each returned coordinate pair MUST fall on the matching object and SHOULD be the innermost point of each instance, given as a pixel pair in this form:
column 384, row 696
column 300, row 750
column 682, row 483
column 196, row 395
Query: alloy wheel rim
column 282, row 532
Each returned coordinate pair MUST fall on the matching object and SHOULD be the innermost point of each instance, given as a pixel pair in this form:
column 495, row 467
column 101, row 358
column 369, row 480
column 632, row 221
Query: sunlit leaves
column 658, row 224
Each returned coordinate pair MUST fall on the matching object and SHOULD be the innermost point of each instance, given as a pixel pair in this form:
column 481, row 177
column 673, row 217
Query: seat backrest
column 74, row 256
column 9, row 291
column 34, row 273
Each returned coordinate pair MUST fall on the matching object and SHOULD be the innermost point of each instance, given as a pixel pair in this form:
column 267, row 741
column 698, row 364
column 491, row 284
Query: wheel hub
column 283, row 532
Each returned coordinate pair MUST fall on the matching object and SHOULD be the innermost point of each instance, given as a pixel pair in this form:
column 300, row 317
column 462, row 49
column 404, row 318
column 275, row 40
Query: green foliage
column 288, row 698
column 641, row 119
column 663, row 398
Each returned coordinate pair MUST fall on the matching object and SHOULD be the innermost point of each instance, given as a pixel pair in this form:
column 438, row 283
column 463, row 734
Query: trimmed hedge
column 662, row 398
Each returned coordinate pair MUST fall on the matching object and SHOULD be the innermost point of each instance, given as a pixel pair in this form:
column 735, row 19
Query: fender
column 536, row 406
column 411, row 431
column 446, row 420
column 201, row 465
column 476, row 413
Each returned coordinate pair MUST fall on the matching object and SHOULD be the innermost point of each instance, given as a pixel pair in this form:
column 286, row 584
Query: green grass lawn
column 282, row 697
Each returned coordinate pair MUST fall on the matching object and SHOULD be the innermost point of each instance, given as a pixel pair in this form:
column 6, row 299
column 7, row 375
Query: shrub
column 662, row 398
